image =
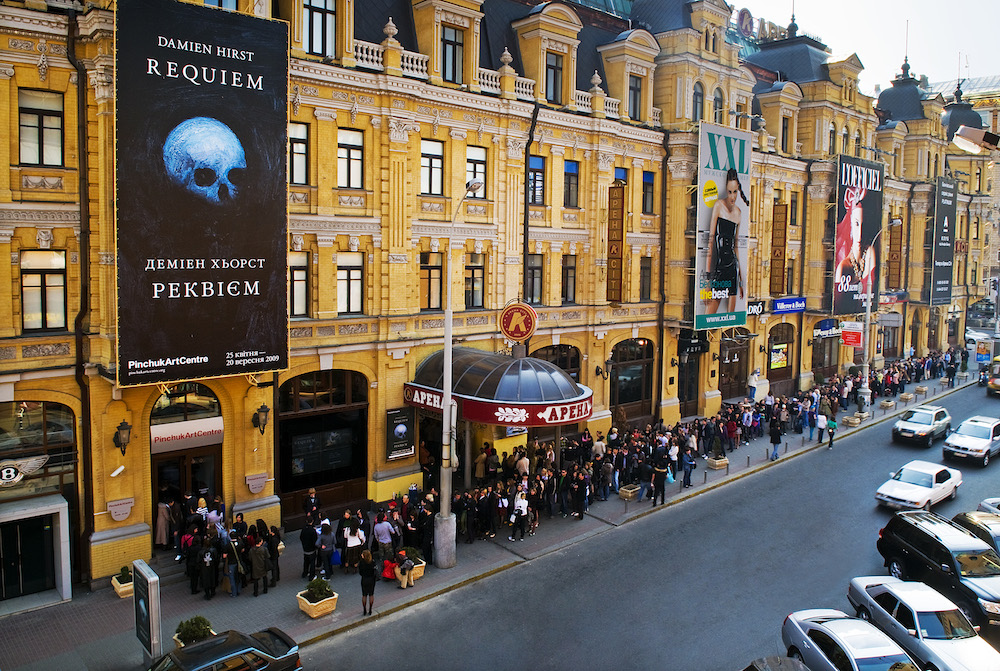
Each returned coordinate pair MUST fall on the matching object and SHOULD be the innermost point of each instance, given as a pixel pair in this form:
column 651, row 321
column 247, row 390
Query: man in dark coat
column 308, row 539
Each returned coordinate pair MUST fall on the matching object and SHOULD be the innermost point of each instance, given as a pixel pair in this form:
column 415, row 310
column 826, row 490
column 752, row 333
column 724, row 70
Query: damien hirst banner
column 724, row 156
column 945, row 211
column 201, row 192
column 859, row 217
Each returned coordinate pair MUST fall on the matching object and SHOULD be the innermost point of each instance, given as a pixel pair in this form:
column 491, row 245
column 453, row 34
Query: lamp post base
column 864, row 399
column 445, row 552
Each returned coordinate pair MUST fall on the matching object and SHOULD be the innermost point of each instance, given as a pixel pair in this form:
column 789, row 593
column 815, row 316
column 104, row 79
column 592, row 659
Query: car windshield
column 166, row 664
column 974, row 430
column 944, row 625
column 978, row 564
column 918, row 417
column 912, row 477
column 898, row 662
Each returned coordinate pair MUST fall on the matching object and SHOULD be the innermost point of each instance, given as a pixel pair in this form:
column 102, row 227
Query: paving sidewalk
column 96, row 629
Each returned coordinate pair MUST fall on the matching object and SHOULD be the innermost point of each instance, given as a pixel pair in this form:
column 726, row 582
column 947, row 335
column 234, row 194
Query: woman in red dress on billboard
column 723, row 269
column 854, row 267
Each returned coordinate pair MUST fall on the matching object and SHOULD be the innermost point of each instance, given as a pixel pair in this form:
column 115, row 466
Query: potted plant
column 193, row 630
column 123, row 583
column 317, row 599
column 418, row 561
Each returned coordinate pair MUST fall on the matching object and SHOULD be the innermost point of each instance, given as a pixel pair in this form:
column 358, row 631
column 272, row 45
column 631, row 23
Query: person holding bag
column 520, row 516
column 831, row 428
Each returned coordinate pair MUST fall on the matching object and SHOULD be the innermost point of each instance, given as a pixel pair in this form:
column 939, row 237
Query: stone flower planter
column 418, row 569
column 124, row 591
column 318, row 609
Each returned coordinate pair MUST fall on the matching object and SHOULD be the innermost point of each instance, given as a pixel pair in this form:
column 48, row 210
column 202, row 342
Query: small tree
column 413, row 553
column 193, row 630
column 125, row 576
column 317, row 590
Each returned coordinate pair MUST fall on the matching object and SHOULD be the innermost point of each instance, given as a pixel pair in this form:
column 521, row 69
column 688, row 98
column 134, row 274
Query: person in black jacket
column 307, row 537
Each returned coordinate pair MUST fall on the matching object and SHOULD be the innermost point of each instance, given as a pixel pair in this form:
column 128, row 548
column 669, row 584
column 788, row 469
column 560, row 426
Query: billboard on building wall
column 201, row 192
column 724, row 157
column 945, row 211
column 859, row 218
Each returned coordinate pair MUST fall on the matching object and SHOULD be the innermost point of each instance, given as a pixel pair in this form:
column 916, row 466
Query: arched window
column 185, row 401
column 720, row 107
column 844, row 140
column 833, row 138
column 706, row 40
column 857, row 144
column 715, row 46
column 697, row 102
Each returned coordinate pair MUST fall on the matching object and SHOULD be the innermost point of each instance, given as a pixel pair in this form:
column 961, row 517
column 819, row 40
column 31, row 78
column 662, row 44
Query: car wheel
column 794, row 653
column 897, row 569
column 926, row 506
column 986, row 459
column 864, row 614
column 929, row 442
column 954, row 493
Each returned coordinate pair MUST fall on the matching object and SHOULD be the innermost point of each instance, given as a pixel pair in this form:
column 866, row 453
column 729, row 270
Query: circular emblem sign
column 745, row 23
column 518, row 321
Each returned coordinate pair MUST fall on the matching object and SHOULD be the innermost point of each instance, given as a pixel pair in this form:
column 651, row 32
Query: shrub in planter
column 125, row 576
column 317, row 599
column 122, row 583
column 413, row 553
column 317, row 590
column 193, row 630
column 418, row 561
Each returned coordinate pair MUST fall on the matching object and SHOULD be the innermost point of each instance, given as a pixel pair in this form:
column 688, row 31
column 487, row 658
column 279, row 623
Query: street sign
column 851, row 334
column 146, row 602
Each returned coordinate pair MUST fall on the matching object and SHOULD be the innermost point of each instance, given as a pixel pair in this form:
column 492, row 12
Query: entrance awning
column 501, row 390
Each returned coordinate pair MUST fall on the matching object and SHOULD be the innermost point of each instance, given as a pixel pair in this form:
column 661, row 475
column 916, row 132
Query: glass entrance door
column 196, row 471
column 27, row 563
column 687, row 386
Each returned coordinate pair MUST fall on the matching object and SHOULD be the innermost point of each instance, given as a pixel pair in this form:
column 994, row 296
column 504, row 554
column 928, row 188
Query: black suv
column 924, row 546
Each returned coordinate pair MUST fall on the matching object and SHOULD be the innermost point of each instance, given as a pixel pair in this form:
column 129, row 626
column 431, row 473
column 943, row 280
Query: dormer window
column 553, row 78
column 635, row 97
column 452, row 53
column 319, row 21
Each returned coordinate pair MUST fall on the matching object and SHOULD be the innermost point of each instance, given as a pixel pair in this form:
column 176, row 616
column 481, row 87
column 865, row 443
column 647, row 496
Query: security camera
column 974, row 140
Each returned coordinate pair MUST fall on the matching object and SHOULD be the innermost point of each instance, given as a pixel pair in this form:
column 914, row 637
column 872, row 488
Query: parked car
column 990, row 505
column 924, row 546
column 984, row 526
column 923, row 424
column 931, row 629
column 776, row 663
column 270, row 649
column 976, row 438
column 919, row 484
column 830, row 640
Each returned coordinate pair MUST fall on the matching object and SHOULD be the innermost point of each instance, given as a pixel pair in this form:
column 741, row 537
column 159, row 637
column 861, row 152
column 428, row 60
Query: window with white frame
column 350, row 159
column 298, row 284
column 536, row 180
column 452, row 53
column 475, row 169
column 350, row 282
column 431, row 273
column 648, row 182
column 635, row 97
column 533, row 280
column 319, row 27
column 475, row 280
column 43, row 290
column 568, row 279
column 298, row 153
column 719, row 107
column 41, row 127
column 431, row 168
column 571, row 184
column 697, row 102
column 553, row 78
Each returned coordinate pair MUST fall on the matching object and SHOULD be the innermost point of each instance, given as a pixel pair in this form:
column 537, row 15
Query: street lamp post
column 865, row 393
column 444, row 521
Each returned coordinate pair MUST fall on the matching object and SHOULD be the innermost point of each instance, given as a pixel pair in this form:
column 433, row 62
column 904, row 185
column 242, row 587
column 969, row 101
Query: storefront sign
column 256, row 482
column 723, row 216
column 852, row 338
column 503, row 413
column 945, row 212
column 184, row 435
column 826, row 328
column 755, row 308
column 120, row 509
column 518, row 321
column 201, row 192
column 399, row 433
column 893, row 297
column 616, row 242
column 12, row 471
column 859, row 212
column 779, row 235
column 787, row 305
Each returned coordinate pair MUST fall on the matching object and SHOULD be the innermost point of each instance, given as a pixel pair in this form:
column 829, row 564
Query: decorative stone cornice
column 33, row 215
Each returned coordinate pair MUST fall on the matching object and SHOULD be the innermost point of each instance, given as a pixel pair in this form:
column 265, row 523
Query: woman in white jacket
column 520, row 515
column 355, row 543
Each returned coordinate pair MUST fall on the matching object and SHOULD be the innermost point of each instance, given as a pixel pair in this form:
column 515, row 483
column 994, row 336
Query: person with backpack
column 404, row 570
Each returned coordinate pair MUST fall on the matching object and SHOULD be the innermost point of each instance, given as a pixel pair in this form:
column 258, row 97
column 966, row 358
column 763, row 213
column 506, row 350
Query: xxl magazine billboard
column 859, row 219
column 200, row 192
column 945, row 211
column 724, row 156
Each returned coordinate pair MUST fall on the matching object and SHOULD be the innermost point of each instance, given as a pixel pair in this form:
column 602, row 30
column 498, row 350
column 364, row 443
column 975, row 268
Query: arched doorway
column 915, row 329
column 780, row 348
column 322, row 440
column 632, row 374
column 186, row 430
column 567, row 358
column 734, row 357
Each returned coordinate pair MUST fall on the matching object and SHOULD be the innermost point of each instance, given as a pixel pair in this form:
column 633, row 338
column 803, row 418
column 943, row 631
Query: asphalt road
column 700, row 586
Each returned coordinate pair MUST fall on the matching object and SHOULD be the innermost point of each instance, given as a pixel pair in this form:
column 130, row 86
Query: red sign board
column 504, row 413
column 851, row 338
column 518, row 321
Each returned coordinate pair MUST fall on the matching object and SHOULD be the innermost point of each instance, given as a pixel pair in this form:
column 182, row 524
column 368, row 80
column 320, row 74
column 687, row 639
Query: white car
column 932, row 629
column 990, row 505
column 829, row 640
column 919, row 484
column 976, row 438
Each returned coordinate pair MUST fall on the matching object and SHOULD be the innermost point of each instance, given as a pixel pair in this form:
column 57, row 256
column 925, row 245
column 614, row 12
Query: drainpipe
column 906, row 266
column 802, row 264
column 661, row 307
column 86, row 438
column 521, row 349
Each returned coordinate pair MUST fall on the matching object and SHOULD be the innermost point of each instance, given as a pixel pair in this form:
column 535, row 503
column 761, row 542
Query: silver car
column 830, row 640
column 976, row 438
column 923, row 424
column 932, row 629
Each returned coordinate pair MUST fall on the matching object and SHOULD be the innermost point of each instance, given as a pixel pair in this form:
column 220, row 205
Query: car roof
column 924, row 466
column 982, row 419
column 927, row 408
column 861, row 638
column 989, row 521
column 948, row 532
column 223, row 645
column 919, row 596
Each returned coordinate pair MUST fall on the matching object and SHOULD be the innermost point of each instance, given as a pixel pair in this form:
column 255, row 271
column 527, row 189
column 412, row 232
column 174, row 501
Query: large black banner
column 201, row 192
column 859, row 217
column 945, row 211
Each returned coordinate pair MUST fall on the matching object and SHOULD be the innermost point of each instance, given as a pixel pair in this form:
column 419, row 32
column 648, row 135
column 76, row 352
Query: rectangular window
column 568, row 279
column 319, row 27
column 43, row 290
column 975, row 228
column 350, row 159
column 298, row 284
column 648, row 182
column 475, row 169
column 533, row 283
column 789, row 279
column 431, row 273
column 431, row 167
column 298, row 153
column 621, row 175
column 41, row 127
column 571, row 184
column 350, row 283
column 553, row 78
column 784, row 133
column 635, row 97
column 793, row 207
column 475, row 280
column 452, row 54
column 222, row 4
column 645, row 278
column 536, row 180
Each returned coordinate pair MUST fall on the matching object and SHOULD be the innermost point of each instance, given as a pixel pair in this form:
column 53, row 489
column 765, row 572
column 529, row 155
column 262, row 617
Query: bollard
column 727, row 467
column 705, row 480
column 680, row 485
column 803, row 441
column 786, row 448
column 748, row 461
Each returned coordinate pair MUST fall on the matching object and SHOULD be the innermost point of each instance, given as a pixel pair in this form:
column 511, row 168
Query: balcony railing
column 611, row 106
column 524, row 88
column 415, row 65
column 583, row 100
column 489, row 81
column 368, row 55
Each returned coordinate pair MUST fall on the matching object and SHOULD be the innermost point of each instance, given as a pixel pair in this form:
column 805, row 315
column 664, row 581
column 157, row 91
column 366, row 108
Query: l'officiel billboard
column 201, row 192
column 724, row 156
column 945, row 212
column 859, row 217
